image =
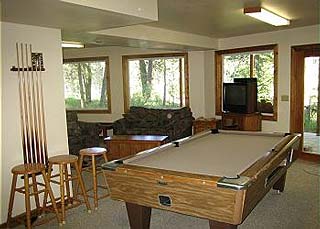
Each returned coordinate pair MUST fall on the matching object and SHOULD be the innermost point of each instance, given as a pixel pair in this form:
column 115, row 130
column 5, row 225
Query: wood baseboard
column 309, row 157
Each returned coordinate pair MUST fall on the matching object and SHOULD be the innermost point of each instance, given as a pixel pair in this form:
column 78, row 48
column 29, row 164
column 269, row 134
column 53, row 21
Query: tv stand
column 246, row 122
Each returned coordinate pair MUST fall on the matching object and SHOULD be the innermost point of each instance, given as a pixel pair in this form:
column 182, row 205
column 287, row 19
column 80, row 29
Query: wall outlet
column 284, row 97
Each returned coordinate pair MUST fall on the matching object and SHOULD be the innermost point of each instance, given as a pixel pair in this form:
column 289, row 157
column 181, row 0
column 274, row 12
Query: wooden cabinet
column 201, row 124
column 247, row 122
column 120, row 146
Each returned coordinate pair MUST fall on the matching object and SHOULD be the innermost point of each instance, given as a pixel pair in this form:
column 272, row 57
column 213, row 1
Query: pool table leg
column 279, row 185
column 139, row 216
column 219, row 225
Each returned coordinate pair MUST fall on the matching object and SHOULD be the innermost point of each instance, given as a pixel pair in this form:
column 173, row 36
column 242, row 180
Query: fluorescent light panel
column 266, row 16
column 72, row 44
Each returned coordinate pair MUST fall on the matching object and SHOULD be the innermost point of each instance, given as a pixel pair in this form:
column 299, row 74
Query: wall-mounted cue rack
column 32, row 113
column 36, row 62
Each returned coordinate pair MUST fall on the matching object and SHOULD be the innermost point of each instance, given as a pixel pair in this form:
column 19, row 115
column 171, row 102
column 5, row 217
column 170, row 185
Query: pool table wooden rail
column 192, row 195
column 199, row 195
column 269, row 172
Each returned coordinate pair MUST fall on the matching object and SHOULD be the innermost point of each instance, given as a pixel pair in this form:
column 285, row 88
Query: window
column 87, row 84
column 256, row 62
column 156, row 81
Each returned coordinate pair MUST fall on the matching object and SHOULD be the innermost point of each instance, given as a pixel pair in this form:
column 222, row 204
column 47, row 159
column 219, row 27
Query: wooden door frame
column 298, row 53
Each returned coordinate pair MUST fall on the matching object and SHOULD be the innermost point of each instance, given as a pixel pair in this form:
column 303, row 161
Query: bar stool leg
column 95, row 183
column 45, row 197
column 82, row 186
column 77, row 184
column 66, row 177
column 27, row 200
column 35, row 191
column 11, row 201
column 48, row 190
column 104, row 176
column 61, row 169
column 105, row 157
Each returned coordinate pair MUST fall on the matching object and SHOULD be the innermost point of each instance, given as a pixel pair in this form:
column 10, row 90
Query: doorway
column 304, row 107
column 311, row 105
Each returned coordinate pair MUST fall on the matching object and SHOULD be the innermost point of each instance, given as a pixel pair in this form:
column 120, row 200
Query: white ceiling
column 225, row 18
column 212, row 18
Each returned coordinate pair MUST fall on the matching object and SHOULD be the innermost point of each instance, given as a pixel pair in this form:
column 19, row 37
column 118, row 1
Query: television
column 240, row 96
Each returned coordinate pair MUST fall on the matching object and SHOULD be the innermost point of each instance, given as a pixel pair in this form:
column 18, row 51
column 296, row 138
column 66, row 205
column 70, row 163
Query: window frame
column 125, row 74
column 219, row 74
column 108, row 87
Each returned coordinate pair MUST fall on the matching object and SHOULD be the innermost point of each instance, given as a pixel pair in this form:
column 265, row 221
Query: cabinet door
column 252, row 123
column 113, row 150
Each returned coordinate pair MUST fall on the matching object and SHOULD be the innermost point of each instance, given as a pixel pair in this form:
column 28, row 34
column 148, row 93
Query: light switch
column 284, row 97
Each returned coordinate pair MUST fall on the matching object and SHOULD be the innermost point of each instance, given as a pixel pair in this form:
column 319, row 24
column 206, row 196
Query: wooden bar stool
column 64, row 178
column 93, row 153
column 30, row 171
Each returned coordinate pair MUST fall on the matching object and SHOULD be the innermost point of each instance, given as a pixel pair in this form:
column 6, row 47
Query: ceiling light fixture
column 265, row 16
column 72, row 44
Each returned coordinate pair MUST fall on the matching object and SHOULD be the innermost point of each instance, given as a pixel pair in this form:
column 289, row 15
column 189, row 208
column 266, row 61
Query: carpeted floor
column 296, row 208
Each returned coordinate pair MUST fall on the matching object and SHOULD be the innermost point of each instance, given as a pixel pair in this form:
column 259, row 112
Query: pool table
column 218, row 175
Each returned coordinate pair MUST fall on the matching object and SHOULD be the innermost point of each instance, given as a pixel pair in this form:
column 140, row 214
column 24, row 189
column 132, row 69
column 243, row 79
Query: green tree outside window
column 85, row 84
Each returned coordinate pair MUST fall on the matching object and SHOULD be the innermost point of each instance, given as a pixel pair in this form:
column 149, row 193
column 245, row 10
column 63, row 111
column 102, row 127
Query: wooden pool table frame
column 198, row 195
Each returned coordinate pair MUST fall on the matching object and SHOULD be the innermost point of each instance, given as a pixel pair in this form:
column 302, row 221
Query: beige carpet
column 296, row 208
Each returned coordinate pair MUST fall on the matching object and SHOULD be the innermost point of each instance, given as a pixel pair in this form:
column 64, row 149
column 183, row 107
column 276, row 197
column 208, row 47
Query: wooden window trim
column 218, row 74
column 125, row 74
column 107, row 75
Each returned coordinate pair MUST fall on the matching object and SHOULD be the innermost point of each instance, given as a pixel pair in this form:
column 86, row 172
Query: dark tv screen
column 240, row 97
column 235, row 94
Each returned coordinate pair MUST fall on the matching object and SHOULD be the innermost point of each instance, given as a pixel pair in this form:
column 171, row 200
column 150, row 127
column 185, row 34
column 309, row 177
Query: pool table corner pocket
column 238, row 183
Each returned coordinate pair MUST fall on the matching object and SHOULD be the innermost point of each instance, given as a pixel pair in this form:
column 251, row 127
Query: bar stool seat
column 95, row 170
column 27, row 171
column 63, row 159
column 64, row 181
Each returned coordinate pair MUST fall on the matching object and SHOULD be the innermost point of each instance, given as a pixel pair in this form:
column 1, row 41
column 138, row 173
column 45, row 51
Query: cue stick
column 31, row 105
column 41, row 129
column 26, row 113
column 42, row 125
column 35, row 121
column 37, row 112
column 42, row 114
column 22, row 121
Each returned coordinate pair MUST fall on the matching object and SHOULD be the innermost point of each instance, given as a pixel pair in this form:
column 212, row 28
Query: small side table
column 201, row 124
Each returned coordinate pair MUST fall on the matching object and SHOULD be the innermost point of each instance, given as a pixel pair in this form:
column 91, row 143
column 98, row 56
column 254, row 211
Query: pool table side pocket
column 190, row 196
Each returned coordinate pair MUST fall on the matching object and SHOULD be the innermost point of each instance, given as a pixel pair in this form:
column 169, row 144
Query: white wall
column 1, row 151
column 196, row 67
column 209, row 84
column 285, row 39
column 196, row 83
column 48, row 42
